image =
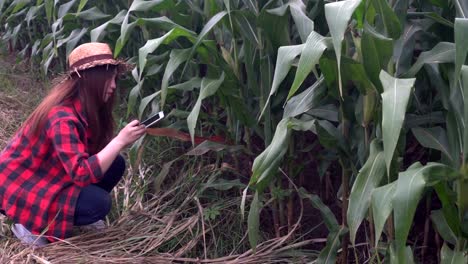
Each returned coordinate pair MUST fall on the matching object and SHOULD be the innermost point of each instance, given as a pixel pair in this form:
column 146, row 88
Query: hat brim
column 122, row 66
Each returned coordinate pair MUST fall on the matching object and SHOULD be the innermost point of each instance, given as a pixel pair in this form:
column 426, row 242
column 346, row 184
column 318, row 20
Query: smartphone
column 153, row 119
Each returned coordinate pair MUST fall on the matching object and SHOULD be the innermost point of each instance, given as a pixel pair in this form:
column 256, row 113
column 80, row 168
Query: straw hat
column 92, row 54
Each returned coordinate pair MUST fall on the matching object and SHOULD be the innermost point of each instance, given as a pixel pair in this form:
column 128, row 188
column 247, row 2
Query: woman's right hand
column 130, row 133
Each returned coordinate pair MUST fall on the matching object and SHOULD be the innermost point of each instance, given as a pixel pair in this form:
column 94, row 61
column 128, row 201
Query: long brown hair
column 89, row 86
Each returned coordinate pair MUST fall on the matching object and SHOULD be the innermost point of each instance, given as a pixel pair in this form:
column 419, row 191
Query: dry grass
column 19, row 94
column 170, row 228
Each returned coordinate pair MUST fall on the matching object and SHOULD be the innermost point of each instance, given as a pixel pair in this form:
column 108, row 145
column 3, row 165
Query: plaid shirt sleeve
column 67, row 135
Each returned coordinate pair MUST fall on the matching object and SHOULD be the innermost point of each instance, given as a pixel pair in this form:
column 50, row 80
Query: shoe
column 27, row 237
column 96, row 226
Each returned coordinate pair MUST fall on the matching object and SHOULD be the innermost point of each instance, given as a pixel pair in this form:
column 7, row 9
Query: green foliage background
column 368, row 77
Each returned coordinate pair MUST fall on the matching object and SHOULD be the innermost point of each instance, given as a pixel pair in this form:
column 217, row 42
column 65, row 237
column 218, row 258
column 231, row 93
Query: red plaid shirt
column 41, row 176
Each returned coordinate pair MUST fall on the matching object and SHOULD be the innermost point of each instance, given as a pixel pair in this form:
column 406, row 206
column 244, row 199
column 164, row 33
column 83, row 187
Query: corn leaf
column 461, row 6
column 208, row 88
column 448, row 256
column 328, row 254
column 382, row 206
column 461, row 44
column 253, row 221
column 443, row 52
column 268, row 161
column 311, row 53
column 176, row 58
column 389, row 19
column 286, row 56
column 306, row 100
column 434, row 138
column 367, row 180
column 99, row 32
column 394, row 102
column 408, row 192
column 376, row 52
column 442, row 227
column 338, row 14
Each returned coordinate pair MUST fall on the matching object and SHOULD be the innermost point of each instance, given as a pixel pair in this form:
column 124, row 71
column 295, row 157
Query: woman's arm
column 129, row 134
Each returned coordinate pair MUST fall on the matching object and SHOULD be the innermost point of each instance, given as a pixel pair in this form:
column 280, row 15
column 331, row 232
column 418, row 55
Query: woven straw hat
column 92, row 54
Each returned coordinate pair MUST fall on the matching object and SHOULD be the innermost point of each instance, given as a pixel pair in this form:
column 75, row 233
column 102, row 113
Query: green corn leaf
column 327, row 215
column 376, row 52
column 436, row 117
column 304, row 24
column 268, row 161
column 286, row 56
column 442, row 227
column 253, row 220
column 443, row 52
column 98, row 33
column 32, row 13
column 19, row 5
column 166, row 168
column 327, row 112
column 338, row 14
column 389, row 19
column 163, row 23
column 306, row 100
column 328, row 254
column 461, row 6
column 125, row 30
column 176, row 58
column 144, row 103
column 49, row 5
column 143, row 5
column 298, row 12
column 92, row 14
column 64, row 8
column 189, row 85
column 408, row 192
column 404, row 47
column 382, row 206
column 464, row 73
column 394, row 102
column 400, row 7
column 311, row 53
column 73, row 39
column 208, row 88
column 152, row 44
column 248, row 29
column 434, row 138
column 439, row 19
column 133, row 96
column 367, row 180
column 448, row 256
column 461, row 44
column 81, row 5
column 405, row 257
column 207, row 28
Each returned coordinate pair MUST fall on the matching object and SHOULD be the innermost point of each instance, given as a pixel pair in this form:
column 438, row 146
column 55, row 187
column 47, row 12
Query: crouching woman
column 58, row 169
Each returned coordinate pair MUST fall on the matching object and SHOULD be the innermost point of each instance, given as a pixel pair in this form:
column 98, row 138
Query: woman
column 58, row 169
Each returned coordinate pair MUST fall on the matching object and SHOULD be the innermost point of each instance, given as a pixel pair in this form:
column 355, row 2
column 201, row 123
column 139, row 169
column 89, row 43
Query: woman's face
column 110, row 87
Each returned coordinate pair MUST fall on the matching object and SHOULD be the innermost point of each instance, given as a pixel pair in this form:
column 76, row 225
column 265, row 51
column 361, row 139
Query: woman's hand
column 130, row 133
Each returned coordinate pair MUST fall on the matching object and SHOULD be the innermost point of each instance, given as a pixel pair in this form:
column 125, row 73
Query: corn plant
column 370, row 78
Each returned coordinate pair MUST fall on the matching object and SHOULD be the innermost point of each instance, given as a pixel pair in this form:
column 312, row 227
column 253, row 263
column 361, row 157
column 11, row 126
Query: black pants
column 94, row 201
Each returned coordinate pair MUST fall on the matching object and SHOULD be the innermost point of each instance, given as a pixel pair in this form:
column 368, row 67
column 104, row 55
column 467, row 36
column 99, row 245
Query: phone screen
column 153, row 119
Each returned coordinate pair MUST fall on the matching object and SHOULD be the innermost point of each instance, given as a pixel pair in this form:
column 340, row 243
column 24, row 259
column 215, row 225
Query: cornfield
column 355, row 103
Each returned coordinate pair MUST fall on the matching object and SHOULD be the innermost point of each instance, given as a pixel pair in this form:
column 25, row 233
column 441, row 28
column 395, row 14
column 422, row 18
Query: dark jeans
column 94, row 201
